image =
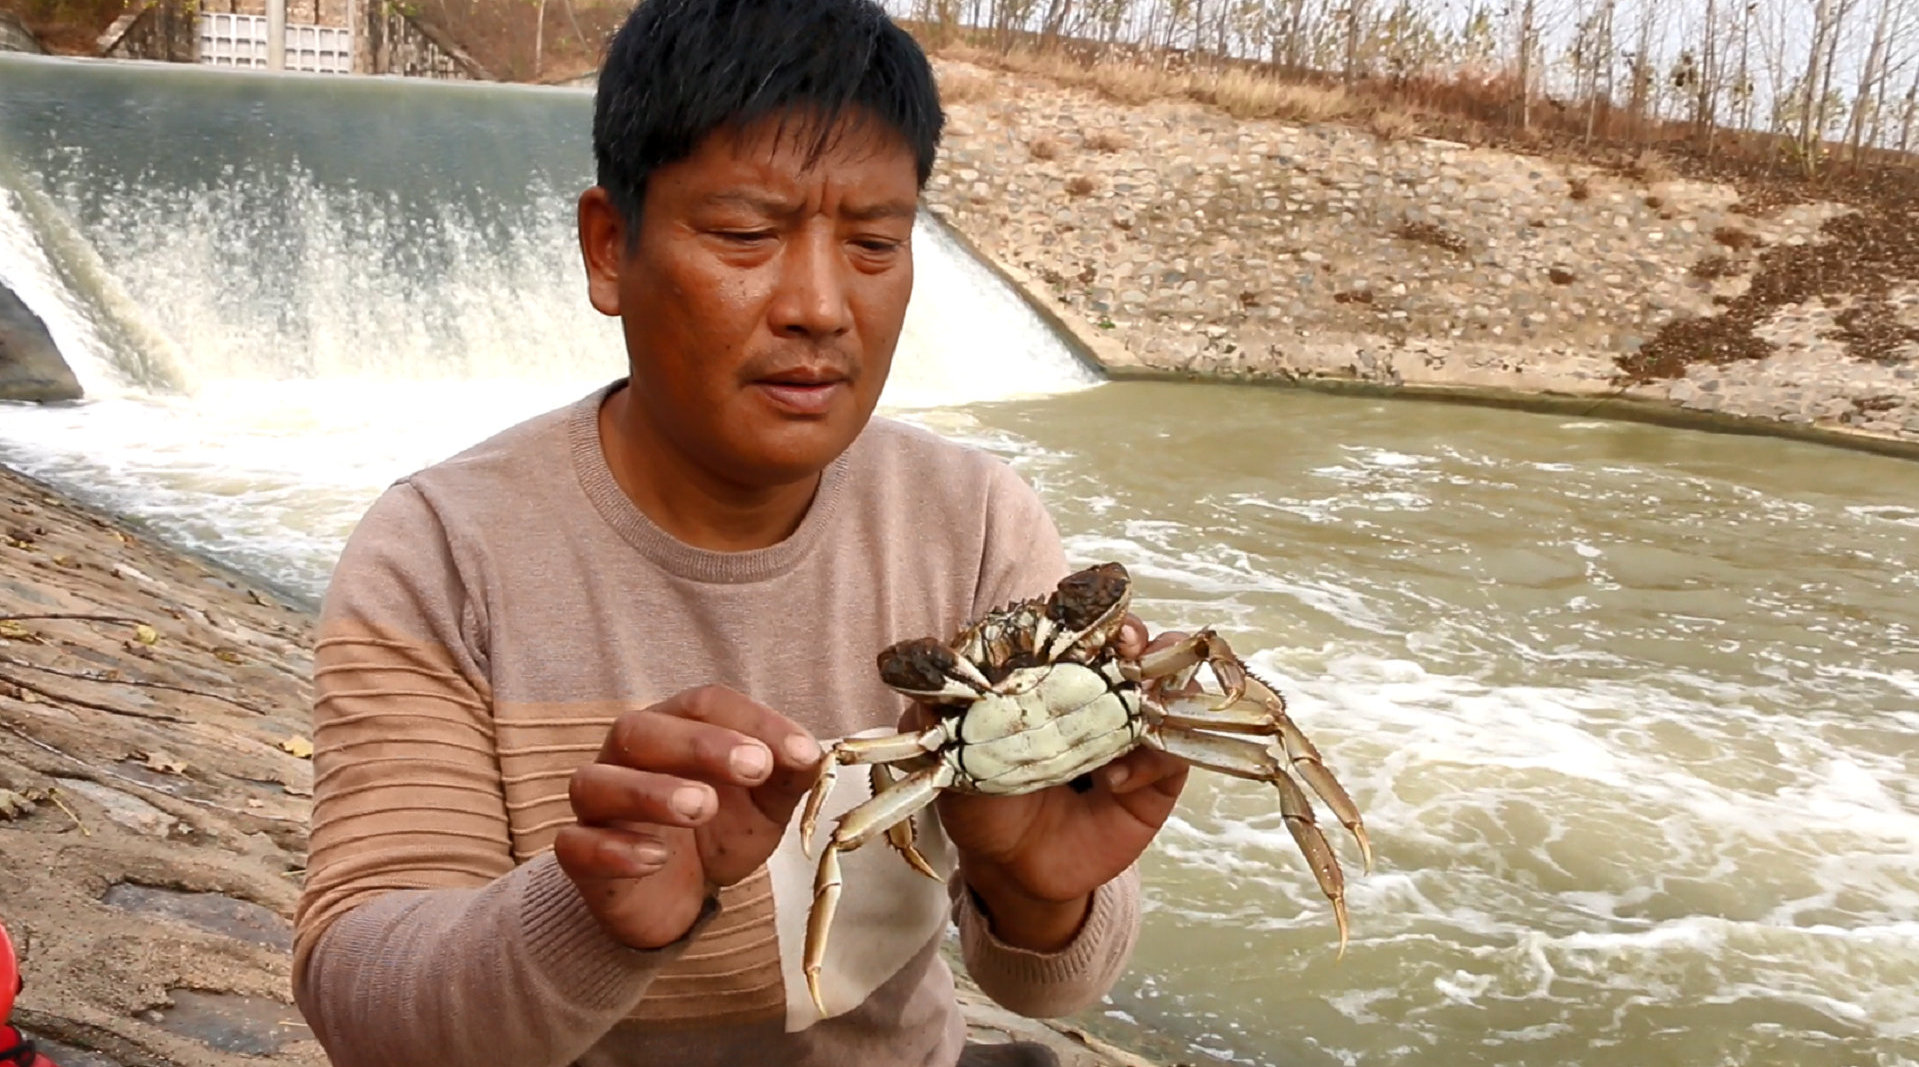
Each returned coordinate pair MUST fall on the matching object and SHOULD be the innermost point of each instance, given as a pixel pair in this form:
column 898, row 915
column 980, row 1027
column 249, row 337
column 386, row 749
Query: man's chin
column 791, row 449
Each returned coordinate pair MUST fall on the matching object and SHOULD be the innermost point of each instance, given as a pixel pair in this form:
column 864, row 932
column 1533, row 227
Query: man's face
column 763, row 297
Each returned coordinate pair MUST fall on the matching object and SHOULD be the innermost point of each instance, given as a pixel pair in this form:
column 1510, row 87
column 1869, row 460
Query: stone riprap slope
column 154, row 787
column 1175, row 239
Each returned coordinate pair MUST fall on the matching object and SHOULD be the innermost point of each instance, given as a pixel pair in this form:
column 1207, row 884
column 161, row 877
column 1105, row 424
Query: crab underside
column 1036, row 695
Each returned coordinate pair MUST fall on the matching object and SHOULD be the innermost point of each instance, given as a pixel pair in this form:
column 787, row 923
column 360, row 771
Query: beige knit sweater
column 488, row 619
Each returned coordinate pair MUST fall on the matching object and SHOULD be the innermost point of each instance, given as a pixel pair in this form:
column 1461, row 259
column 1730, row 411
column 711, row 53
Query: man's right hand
column 686, row 796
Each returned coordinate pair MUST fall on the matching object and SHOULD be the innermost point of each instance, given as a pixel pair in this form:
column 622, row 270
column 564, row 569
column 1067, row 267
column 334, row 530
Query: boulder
column 15, row 37
column 30, row 363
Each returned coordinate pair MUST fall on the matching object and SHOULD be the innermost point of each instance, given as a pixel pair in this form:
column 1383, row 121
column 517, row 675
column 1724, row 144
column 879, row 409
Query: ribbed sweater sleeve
column 417, row 940
column 1024, row 557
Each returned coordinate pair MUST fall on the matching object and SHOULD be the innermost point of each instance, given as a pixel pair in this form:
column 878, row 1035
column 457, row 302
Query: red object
column 9, row 975
column 15, row 1050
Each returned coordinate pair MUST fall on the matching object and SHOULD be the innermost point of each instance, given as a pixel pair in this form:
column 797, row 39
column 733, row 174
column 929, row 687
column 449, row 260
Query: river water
column 1632, row 713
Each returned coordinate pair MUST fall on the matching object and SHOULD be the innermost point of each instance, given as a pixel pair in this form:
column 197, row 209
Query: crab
column 1035, row 695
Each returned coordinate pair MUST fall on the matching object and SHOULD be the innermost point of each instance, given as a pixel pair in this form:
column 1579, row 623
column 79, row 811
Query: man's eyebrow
column 882, row 211
column 757, row 202
column 777, row 207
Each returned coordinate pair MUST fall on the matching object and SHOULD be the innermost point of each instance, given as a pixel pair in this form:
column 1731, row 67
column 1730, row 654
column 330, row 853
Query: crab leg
column 1175, row 663
column 855, row 828
column 900, row 835
column 892, row 748
column 1264, row 713
column 1249, row 759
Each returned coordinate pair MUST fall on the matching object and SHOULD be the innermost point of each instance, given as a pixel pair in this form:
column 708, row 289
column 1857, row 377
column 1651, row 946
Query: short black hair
column 678, row 70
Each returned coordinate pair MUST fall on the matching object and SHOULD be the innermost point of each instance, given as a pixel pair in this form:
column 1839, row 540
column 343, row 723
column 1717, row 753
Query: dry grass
column 1046, row 147
column 1736, row 239
column 1244, row 94
column 1432, row 234
column 1108, row 140
column 1392, row 124
column 1239, row 91
column 962, row 87
column 1081, row 185
column 1651, row 168
column 1579, row 189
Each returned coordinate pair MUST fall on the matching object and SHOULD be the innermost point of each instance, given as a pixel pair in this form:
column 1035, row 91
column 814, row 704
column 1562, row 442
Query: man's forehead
column 781, row 164
column 853, row 136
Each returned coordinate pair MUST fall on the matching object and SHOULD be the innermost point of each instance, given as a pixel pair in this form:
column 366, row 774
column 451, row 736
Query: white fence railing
column 241, row 41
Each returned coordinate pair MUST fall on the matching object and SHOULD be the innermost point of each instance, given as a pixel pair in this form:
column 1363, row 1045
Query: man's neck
column 688, row 501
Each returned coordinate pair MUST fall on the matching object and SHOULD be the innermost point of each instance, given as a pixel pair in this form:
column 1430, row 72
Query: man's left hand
column 1034, row 860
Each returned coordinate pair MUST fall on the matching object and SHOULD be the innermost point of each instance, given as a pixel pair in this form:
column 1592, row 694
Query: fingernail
column 689, row 801
column 649, row 854
column 801, row 749
column 1116, row 776
column 751, row 761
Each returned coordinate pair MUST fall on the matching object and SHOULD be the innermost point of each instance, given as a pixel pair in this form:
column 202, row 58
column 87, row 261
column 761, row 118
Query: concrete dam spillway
column 257, row 249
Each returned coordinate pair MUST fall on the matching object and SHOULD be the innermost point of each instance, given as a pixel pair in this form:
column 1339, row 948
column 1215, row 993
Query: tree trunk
column 1603, row 54
column 1705, row 120
column 1912, row 112
column 1642, row 70
column 1354, row 14
column 1526, row 66
column 539, row 38
column 1296, row 38
column 1875, row 55
column 1747, row 91
column 1832, row 63
column 1821, row 26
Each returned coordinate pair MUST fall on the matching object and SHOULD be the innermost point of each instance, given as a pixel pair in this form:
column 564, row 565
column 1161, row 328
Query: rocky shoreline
column 1174, row 241
column 154, row 785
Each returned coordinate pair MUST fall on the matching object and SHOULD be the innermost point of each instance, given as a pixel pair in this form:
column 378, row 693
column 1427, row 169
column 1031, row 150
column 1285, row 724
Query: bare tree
column 1528, row 44
column 1705, row 116
column 1642, row 66
column 1862, row 100
column 1912, row 112
column 1355, row 15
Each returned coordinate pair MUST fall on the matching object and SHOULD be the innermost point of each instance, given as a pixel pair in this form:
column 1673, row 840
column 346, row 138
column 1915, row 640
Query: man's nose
column 811, row 302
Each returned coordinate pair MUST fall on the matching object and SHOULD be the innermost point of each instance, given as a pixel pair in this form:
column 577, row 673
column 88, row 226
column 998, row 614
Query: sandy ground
column 154, row 785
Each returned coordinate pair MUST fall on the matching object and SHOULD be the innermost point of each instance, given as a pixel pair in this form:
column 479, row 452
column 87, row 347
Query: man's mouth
column 802, row 390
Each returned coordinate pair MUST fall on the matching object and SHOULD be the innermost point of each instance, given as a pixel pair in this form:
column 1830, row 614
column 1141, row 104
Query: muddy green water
column 1633, row 715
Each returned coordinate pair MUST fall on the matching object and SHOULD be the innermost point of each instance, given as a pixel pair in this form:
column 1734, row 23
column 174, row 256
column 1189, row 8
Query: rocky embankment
column 154, row 784
column 1174, row 240
column 31, row 367
column 15, row 37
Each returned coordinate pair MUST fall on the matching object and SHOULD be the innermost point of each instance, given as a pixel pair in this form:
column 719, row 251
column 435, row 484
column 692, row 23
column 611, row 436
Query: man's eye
column 875, row 244
column 746, row 236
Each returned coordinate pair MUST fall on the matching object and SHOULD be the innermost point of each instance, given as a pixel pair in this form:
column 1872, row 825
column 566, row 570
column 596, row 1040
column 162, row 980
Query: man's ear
column 603, row 247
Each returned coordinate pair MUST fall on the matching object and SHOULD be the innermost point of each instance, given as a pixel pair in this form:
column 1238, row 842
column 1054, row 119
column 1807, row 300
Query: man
column 569, row 685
